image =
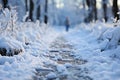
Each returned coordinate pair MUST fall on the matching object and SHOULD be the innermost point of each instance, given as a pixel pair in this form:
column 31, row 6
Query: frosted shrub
column 8, row 19
column 112, row 35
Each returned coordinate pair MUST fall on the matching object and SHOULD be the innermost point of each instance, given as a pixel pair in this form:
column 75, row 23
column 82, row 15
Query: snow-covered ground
column 97, row 43
column 91, row 43
column 34, row 40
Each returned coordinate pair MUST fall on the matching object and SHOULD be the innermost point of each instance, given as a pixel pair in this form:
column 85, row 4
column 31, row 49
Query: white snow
column 61, row 68
column 98, row 43
column 103, row 65
column 51, row 75
column 22, row 66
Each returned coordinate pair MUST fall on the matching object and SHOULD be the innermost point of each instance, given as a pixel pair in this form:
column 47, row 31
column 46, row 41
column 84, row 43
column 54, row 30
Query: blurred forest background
column 55, row 11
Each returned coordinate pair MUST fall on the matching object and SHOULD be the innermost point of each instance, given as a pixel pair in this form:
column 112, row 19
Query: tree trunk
column 26, row 5
column 104, row 5
column 88, row 3
column 38, row 12
column 115, row 9
column 94, row 10
column 88, row 18
column 5, row 3
column 46, row 10
column 31, row 10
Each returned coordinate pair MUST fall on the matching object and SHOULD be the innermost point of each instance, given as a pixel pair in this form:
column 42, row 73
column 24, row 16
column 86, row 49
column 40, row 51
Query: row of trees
column 92, row 11
column 29, row 5
column 30, row 9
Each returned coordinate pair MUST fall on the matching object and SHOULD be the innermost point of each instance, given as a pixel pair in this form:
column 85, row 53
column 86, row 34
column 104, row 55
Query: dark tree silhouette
column 46, row 11
column 88, row 3
column 38, row 10
column 5, row 3
column 115, row 9
column 104, row 5
column 88, row 18
column 92, row 10
column 31, row 10
column 26, row 5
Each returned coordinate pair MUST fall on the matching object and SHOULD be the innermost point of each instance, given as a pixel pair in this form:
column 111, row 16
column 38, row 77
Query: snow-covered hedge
column 10, row 46
column 107, row 35
column 113, row 35
column 17, row 35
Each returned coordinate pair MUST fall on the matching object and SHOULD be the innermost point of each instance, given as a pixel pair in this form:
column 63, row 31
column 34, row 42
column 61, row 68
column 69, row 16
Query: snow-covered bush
column 10, row 46
column 8, row 19
column 113, row 35
column 105, row 34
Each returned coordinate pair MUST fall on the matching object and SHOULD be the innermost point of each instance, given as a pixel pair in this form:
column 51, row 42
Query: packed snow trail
column 66, row 67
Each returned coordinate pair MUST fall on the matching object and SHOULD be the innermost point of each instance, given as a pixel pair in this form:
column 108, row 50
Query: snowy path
column 66, row 67
column 58, row 55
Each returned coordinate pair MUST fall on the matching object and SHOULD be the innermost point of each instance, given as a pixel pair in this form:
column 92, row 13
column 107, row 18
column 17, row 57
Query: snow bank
column 98, row 43
column 33, row 38
column 106, row 35
column 10, row 46
column 10, row 43
column 113, row 36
